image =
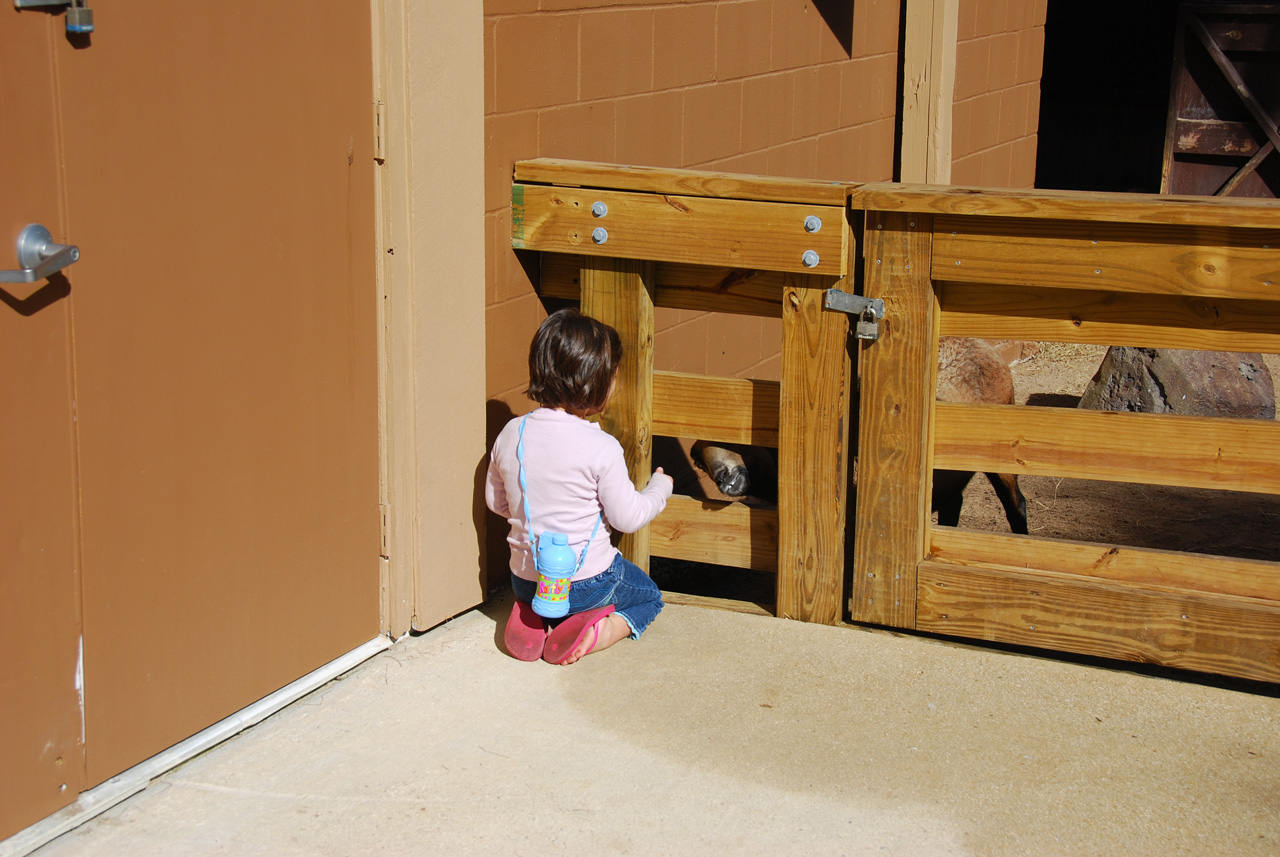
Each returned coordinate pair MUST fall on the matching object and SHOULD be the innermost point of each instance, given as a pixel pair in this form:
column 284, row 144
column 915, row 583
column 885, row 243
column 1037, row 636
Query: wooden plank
column 728, row 410
column 719, row 533
column 619, row 292
column 696, row 230
column 1111, row 446
column 1214, row 137
column 1219, row 262
column 1244, row 578
column 1067, row 205
column 1105, row 318
column 738, row 291
column 1187, row 630
column 589, row 174
column 813, row 455
column 896, row 393
column 707, row 603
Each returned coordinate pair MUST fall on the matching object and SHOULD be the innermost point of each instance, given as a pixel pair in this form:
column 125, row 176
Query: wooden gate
column 624, row 240
column 1157, row 272
column 1164, row 272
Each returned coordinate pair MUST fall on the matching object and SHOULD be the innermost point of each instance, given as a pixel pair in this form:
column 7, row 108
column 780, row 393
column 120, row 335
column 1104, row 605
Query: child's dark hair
column 572, row 361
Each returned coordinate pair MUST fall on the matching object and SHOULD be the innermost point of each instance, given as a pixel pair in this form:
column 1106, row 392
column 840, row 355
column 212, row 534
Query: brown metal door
column 218, row 179
column 40, row 717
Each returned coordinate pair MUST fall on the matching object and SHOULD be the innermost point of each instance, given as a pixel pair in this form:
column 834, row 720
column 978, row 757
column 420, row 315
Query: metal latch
column 868, row 310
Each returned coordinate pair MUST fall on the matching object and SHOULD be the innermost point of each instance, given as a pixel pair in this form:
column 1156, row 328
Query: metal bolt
column 809, row 259
column 599, row 235
column 599, row 209
column 1097, row 270
column 812, row 223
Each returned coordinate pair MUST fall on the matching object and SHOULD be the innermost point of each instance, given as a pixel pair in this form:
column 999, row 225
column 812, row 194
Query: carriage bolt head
column 599, row 209
column 599, row 235
column 809, row 259
column 812, row 223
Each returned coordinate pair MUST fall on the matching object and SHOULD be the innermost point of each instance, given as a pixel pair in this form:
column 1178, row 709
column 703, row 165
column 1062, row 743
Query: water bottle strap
column 528, row 519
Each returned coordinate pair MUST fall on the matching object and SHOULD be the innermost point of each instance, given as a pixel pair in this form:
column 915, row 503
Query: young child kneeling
column 574, row 477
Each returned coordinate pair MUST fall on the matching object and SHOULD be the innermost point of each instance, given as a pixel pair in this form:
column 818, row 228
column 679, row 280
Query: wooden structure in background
column 1224, row 103
column 1059, row 266
column 727, row 244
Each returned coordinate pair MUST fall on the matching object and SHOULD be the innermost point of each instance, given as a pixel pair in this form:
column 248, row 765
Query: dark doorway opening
column 1104, row 94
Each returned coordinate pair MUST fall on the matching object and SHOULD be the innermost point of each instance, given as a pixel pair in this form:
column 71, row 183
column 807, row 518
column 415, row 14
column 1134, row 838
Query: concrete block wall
column 996, row 113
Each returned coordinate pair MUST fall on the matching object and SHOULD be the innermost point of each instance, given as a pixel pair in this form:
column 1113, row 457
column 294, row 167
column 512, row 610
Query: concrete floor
column 724, row 733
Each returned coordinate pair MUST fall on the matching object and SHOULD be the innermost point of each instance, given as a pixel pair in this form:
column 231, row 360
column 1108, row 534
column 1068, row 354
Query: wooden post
column 929, row 73
column 619, row 292
column 895, row 424
column 813, row 453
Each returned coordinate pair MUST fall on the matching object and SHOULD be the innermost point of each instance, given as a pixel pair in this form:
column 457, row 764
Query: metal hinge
column 868, row 310
column 385, row 514
column 379, row 131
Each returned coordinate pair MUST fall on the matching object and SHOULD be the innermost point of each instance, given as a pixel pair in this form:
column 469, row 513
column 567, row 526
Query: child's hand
column 662, row 482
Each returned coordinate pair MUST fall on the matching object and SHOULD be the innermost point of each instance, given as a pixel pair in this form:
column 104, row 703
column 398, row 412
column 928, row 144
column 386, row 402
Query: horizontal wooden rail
column 770, row 236
column 1108, row 318
column 738, row 291
column 1067, row 205
column 727, row 410
column 1213, row 262
column 719, row 533
column 1157, row 449
column 589, row 174
column 1244, row 578
column 1074, row 613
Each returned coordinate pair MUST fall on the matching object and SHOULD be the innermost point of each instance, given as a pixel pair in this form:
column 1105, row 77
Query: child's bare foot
column 608, row 631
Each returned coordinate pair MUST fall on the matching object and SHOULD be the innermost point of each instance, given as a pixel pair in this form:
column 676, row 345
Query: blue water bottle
column 556, row 565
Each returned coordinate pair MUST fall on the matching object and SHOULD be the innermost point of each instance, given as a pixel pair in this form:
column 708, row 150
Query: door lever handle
column 38, row 256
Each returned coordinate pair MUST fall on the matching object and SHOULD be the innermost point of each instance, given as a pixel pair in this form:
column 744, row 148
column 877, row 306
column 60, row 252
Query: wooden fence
column 1167, row 272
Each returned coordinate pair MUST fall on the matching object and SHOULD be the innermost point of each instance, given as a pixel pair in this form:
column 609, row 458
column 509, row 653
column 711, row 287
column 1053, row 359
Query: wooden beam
column 1217, row 262
column 1103, row 318
column 589, row 174
column 707, row 603
column 1214, row 137
column 1244, row 578
column 1174, row 210
column 897, row 390
column 662, row 227
column 929, row 72
column 1111, row 446
column 619, row 292
column 718, row 533
column 1188, row 630
column 727, row 410
column 813, row 455
column 738, row 291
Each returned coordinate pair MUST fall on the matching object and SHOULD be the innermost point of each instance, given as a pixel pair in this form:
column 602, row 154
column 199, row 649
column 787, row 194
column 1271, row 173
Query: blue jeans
column 635, row 596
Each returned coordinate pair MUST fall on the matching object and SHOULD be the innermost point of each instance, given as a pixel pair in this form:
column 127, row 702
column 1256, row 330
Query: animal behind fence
column 969, row 371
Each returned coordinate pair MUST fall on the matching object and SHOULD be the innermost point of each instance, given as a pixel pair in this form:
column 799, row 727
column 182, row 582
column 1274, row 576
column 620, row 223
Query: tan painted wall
column 999, row 57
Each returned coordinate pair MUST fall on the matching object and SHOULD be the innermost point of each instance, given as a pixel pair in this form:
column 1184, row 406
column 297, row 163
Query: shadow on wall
column 838, row 15
column 491, row 528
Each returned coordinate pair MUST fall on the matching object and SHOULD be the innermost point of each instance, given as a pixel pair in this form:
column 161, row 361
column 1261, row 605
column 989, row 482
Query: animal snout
column 733, row 480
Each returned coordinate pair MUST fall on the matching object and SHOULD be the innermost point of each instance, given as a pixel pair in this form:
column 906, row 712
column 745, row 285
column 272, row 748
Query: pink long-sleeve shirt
column 574, row 470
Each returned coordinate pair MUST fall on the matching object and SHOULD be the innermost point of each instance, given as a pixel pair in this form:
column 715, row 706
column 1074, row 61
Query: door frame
column 429, row 88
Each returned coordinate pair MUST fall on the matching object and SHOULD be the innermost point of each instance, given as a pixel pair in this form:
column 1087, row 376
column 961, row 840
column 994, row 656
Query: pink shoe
column 568, row 634
column 526, row 632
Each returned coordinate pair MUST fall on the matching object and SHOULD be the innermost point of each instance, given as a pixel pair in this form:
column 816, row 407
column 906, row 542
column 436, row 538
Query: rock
column 1173, row 381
